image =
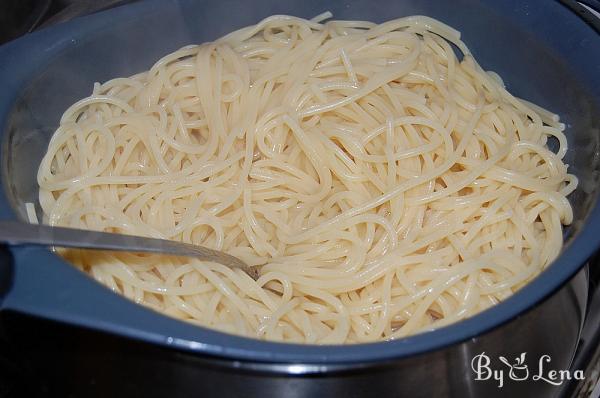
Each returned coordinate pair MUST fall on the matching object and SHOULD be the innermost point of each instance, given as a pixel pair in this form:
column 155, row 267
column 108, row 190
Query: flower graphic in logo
column 519, row 370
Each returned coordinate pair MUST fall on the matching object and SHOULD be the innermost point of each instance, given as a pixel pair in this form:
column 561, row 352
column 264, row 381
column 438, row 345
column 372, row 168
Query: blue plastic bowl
column 545, row 53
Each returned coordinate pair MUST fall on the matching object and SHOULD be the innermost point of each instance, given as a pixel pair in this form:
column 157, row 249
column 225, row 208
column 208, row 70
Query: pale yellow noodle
column 382, row 185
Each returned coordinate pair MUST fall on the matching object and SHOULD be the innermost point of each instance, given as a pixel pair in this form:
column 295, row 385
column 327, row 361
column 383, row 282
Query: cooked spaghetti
column 382, row 185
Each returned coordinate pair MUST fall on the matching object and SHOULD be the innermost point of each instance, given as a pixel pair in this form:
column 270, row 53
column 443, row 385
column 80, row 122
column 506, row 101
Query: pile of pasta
column 381, row 184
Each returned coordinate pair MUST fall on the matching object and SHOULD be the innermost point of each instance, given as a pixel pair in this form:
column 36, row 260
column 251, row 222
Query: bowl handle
column 41, row 284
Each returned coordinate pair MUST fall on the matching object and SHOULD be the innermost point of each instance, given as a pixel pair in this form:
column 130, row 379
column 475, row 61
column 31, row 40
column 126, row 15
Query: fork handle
column 16, row 233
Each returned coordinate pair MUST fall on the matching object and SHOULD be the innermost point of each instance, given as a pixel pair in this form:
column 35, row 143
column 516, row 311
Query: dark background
column 18, row 17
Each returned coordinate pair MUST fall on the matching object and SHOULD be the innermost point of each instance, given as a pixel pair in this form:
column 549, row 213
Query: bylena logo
column 519, row 370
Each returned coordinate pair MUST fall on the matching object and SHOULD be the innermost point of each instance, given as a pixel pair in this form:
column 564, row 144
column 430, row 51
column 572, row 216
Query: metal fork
column 16, row 233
